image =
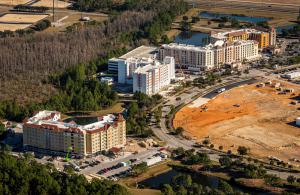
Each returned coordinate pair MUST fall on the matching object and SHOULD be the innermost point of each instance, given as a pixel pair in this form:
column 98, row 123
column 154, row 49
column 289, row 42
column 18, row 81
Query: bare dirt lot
column 258, row 118
column 13, row 2
column 293, row 2
column 22, row 18
column 12, row 27
column 49, row 3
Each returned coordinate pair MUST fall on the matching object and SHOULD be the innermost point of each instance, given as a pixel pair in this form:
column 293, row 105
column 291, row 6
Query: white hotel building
column 146, row 75
column 211, row 56
column 151, row 78
column 140, row 69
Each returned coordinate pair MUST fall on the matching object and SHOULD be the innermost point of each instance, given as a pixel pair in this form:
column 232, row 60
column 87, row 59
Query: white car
column 221, row 90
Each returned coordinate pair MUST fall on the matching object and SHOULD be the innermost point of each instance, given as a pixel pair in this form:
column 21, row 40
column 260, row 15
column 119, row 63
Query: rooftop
column 209, row 47
column 141, row 52
column 52, row 120
column 223, row 35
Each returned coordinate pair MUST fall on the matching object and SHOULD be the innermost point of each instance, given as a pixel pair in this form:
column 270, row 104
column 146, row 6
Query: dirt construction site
column 260, row 118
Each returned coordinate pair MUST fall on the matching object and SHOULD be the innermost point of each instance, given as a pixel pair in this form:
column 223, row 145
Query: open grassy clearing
column 13, row 27
column 22, row 18
column 134, row 191
column 49, row 3
column 152, row 171
column 13, row 2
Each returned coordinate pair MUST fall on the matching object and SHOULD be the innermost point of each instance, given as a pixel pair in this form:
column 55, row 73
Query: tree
column 235, row 23
column 225, row 187
column 179, row 131
column 242, row 150
column 167, row 190
column 220, row 147
column 206, row 142
column 195, row 19
column 272, row 180
column 3, row 131
column 225, row 161
column 185, row 26
column 139, row 169
column 185, row 18
column 211, row 146
column 29, row 177
column 291, row 179
column 182, row 180
column 165, row 39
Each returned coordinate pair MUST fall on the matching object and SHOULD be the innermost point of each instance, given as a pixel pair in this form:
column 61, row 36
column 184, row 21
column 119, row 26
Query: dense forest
column 26, row 176
column 27, row 61
column 77, row 88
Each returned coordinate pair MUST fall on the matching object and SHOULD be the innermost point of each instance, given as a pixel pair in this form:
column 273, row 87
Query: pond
column 241, row 18
column 192, row 38
column 82, row 120
column 166, row 178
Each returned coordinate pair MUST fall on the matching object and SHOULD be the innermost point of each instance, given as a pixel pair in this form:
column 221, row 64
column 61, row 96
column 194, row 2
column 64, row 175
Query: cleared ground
column 13, row 27
column 22, row 18
column 258, row 118
column 13, row 2
column 49, row 3
column 294, row 2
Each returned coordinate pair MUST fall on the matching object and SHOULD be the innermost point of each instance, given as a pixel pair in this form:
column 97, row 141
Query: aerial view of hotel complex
column 170, row 97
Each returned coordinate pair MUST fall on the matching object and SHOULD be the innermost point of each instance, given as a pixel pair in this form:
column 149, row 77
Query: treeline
column 186, row 184
column 29, row 60
column 153, row 31
column 26, row 176
column 78, row 89
column 295, row 31
column 78, row 92
column 138, row 115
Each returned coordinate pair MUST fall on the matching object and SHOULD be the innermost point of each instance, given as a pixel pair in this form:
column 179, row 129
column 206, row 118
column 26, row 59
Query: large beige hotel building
column 46, row 131
column 212, row 56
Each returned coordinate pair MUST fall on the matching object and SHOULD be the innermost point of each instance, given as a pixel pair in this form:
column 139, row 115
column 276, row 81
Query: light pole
column 53, row 11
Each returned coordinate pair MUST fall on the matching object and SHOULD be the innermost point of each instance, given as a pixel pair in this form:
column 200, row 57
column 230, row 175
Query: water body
column 82, row 120
column 240, row 18
column 166, row 178
column 192, row 38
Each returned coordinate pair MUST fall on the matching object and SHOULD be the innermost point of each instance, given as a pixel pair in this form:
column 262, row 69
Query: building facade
column 139, row 52
column 264, row 38
column 212, row 56
column 146, row 75
column 151, row 78
column 47, row 132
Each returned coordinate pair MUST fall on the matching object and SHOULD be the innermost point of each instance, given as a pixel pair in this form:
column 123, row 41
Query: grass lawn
column 117, row 108
column 152, row 171
column 134, row 191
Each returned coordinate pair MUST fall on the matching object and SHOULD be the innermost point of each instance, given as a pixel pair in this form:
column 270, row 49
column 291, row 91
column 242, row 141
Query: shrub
column 42, row 25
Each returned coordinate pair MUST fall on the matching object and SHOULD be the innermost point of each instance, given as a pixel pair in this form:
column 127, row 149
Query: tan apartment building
column 264, row 38
column 46, row 131
column 212, row 56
